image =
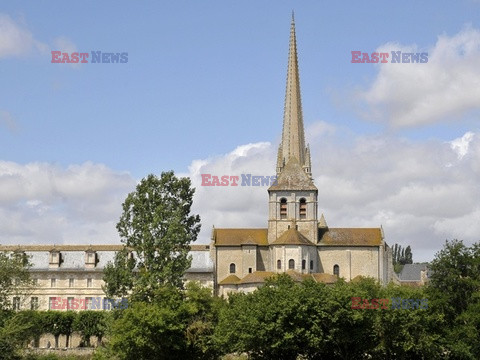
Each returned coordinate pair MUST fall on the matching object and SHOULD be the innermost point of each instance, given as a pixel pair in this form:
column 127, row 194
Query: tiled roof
column 292, row 237
column 261, row 276
column 257, row 277
column 230, row 280
column 293, row 177
column 105, row 247
column 412, row 272
column 351, row 237
column 324, row 278
column 237, row 237
column 73, row 256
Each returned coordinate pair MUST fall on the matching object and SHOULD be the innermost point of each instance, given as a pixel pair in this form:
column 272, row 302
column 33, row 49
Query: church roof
column 293, row 177
column 230, row 280
column 237, row 237
column 261, row 276
column 257, row 277
column 351, row 237
column 292, row 237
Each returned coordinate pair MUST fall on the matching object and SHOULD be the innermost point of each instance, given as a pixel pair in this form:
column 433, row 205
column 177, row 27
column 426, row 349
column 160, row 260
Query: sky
column 395, row 145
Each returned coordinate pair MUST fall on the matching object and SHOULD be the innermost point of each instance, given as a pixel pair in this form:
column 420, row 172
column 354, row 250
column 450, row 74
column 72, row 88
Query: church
column 295, row 240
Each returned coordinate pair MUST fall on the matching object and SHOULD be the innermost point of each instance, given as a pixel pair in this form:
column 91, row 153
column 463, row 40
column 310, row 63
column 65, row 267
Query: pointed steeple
column 293, row 137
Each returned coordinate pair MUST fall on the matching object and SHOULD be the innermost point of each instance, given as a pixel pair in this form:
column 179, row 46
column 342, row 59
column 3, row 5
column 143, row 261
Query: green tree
column 59, row 323
column 157, row 226
column 178, row 325
column 14, row 277
column 91, row 323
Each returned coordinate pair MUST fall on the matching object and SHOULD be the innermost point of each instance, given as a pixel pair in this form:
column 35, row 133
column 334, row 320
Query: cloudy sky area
column 396, row 145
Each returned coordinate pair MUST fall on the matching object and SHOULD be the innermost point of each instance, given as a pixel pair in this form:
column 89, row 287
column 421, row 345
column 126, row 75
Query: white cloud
column 404, row 186
column 460, row 145
column 16, row 39
column 45, row 203
column 444, row 89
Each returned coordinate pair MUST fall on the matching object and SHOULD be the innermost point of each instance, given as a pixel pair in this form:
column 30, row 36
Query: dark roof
column 412, row 272
column 292, row 237
column 293, row 177
column 237, row 237
column 351, row 237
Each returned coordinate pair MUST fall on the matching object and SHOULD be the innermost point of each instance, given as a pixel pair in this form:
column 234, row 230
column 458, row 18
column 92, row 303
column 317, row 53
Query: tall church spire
column 293, row 137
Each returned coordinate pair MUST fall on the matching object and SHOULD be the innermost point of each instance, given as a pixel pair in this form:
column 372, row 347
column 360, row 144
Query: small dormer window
column 90, row 258
column 283, row 208
column 303, row 208
column 55, row 258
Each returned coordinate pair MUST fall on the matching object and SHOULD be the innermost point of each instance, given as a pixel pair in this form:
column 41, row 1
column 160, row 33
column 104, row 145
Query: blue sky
column 205, row 78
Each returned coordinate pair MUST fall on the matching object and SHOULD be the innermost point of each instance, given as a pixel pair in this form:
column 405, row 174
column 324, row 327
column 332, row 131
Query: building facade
column 70, row 277
column 295, row 240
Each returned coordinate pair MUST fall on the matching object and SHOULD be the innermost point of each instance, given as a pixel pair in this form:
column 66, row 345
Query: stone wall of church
column 352, row 261
column 227, row 255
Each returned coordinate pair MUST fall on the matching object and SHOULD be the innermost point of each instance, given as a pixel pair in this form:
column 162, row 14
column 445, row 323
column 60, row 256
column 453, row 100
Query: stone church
column 295, row 240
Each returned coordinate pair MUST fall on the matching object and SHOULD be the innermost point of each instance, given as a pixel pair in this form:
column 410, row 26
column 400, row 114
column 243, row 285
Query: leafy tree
column 59, row 323
column 157, row 226
column 401, row 256
column 455, row 292
column 14, row 277
column 179, row 325
column 91, row 323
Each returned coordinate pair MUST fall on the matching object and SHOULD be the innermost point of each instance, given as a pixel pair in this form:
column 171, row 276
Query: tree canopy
column 157, row 228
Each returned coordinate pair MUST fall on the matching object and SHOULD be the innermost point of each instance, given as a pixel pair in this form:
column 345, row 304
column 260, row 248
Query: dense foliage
column 156, row 225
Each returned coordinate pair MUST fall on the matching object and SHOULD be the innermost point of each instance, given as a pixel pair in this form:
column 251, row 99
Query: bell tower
column 293, row 200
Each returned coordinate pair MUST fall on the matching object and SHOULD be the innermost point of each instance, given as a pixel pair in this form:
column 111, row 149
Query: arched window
column 232, row 268
column 283, row 208
column 291, row 264
column 336, row 270
column 279, row 264
column 311, row 264
column 304, row 264
column 303, row 208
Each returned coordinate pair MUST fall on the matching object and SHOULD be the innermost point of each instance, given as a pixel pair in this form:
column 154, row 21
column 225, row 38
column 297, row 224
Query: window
column 89, row 282
column 291, row 264
column 249, row 270
column 303, row 208
column 279, row 264
column 69, row 302
column 16, row 303
column 71, row 282
column 304, row 264
column 53, row 282
column 34, row 303
column 311, row 264
column 283, row 208
column 336, row 270
column 51, row 302
column 88, row 303
column 232, row 268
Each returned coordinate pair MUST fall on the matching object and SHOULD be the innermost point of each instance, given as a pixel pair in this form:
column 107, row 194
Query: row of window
column 55, row 303
column 33, row 303
column 71, row 282
column 284, row 207
column 291, row 265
